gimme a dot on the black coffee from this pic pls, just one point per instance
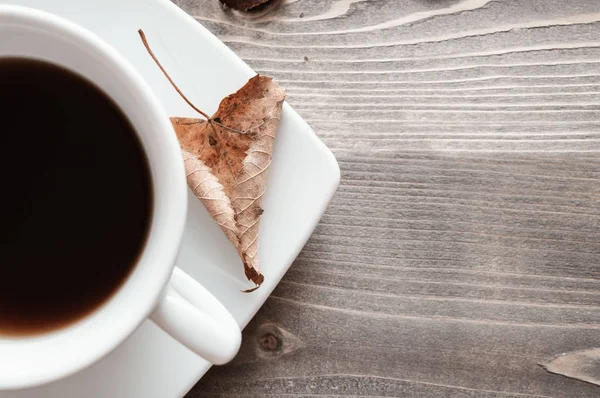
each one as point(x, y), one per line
point(75, 198)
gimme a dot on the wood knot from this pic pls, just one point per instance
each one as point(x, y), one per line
point(264, 6)
point(252, 9)
point(270, 342)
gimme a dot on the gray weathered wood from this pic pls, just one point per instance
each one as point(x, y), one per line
point(463, 247)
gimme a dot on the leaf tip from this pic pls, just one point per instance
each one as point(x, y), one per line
point(256, 277)
point(251, 290)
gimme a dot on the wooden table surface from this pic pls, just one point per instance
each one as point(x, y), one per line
point(462, 248)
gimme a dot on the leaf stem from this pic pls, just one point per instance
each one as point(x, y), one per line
point(143, 37)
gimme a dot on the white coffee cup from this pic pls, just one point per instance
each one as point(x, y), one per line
point(155, 289)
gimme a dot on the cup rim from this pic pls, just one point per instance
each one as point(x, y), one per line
point(168, 230)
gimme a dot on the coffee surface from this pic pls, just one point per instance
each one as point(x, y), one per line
point(76, 197)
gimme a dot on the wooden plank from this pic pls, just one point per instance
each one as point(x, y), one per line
point(462, 247)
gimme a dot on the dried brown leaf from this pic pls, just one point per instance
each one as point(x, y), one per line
point(227, 158)
point(209, 190)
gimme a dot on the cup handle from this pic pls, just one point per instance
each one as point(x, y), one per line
point(195, 318)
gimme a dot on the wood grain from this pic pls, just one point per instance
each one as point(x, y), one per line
point(462, 247)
